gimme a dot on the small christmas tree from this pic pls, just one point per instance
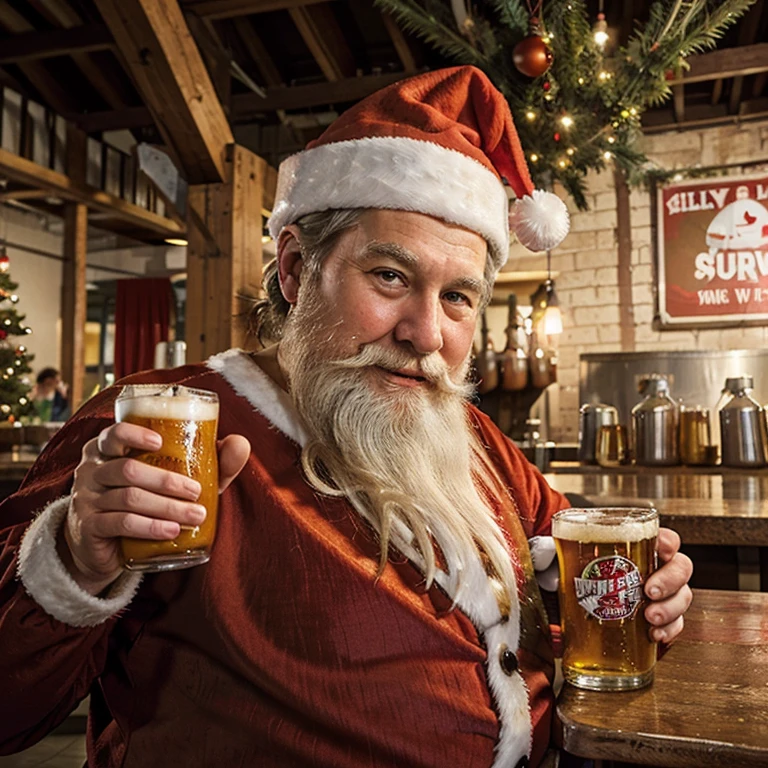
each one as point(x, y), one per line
point(14, 358)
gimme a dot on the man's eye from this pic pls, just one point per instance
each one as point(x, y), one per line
point(388, 275)
point(454, 297)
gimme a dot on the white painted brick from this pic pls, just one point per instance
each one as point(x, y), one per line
point(642, 294)
point(609, 334)
point(608, 295)
point(677, 159)
point(642, 274)
point(581, 297)
point(607, 276)
point(641, 236)
point(605, 201)
point(596, 259)
point(573, 337)
point(642, 255)
point(568, 377)
point(639, 198)
point(577, 241)
point(595, 316)
point(643, 314)
point(645, 333)
point(606, 238)
point(686, 339)
point(563, 262)
point(600, 182)
point(741, 338)
point(640, 217)
point(594, 222)
point(577, 278)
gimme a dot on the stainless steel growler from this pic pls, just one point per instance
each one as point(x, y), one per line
point(743, 428)
point(592, 416)
point(655, 425)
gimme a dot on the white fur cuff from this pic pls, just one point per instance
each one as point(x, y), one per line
point(48, 582)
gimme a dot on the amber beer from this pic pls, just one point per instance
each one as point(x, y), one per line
point(605, 557)
point(187, 420)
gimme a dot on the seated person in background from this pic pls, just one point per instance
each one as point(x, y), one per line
point(49, 396)
point(371, 599)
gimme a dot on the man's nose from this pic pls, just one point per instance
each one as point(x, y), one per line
point(420, 326)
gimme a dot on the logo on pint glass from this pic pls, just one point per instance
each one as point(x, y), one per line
point(610, 588)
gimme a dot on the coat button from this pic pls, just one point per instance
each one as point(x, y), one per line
point(507, 661)
point(523, 762)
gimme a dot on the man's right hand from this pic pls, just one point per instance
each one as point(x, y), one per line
point(114, 496)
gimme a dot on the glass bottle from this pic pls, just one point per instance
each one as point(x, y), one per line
point(486, 361)
point(514, 359)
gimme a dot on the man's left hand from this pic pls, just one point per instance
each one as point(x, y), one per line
point(668, 589)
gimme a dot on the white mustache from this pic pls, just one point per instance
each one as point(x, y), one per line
point(432, 367)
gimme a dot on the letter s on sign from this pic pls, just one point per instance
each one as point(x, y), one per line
point(705, 267)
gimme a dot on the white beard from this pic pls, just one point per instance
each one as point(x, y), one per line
point(406, 458)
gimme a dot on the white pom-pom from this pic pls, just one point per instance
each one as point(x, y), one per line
point(540, 220)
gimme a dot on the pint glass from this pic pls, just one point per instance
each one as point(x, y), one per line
point(605, 557)
point(186, 419)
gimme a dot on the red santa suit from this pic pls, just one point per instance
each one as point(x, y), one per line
point(283, 650)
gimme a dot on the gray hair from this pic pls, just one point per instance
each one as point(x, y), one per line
point(319, 233)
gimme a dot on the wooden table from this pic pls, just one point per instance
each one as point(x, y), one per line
point(708, 705)
point(14, 465)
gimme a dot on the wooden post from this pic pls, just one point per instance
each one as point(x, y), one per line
point(73, 290)
point(224, 257)
point(624, 238)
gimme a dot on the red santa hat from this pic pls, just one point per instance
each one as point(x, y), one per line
point(441, 143)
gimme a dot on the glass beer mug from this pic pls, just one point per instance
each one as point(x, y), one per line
point(187, 420)
point(605, 557)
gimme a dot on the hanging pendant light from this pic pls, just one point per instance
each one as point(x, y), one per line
point(553, 318)
point(600, 30)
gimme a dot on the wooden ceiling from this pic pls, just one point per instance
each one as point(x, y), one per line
point(284, 68)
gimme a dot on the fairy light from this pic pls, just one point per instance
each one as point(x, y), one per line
point(534, 158)
point(566, 121)
point(611, 139)
point(563, 164)
point(530, 115)
point(625, 113)
point(607, 155)
point(570, 151)
point(601, 31)
point(581, 81)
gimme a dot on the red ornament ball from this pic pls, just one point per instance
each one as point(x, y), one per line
point(532, 56)
point(557, 137)
point(547, 85)
point(3, 334)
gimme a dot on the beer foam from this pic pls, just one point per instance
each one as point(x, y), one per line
point(587, 527)
point(157, 401)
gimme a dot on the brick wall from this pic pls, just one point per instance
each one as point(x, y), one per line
point(587, 263)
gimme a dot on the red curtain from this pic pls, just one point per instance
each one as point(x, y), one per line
point(142, 315)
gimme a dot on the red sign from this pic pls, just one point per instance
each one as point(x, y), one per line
point(713, 251)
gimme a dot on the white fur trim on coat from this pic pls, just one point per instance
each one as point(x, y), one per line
point(475, 599)
point(397, 173)
point(46, 579)
point(250, 382)
point(544, 556)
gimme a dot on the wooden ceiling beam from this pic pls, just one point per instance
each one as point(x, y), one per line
point(729, 62)
point(172, 79)
point(305, 96)
point(678, 96)
point(404, 52)
point(247, 33)
point(30, 46)
point(747, 35)
point(228, 9)
point(322, 35)
point(23, 171)
point(758, 86)
point(717, 91)
point(53, 94)
point(246, 105)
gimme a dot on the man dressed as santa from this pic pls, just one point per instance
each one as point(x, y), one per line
point(371, 598)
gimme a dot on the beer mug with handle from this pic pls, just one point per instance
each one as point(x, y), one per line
point(605, 557)
point(187, 420)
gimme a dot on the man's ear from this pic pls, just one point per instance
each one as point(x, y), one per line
point(289, 262)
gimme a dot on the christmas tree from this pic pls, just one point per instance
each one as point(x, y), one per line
point(576, 97)
point(14, 358)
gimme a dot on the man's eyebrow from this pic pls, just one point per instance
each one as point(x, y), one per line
point(408, 258)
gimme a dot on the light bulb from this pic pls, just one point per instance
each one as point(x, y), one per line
point(534, 158)
point(566, 121)
point(553, 320)
point(601, 30)
point(530, 115)
point(23, 400)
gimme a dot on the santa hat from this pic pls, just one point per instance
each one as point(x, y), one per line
point(441, 143)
